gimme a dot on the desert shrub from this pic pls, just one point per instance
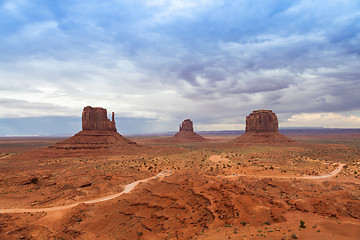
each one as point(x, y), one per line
point(293, 236)
point(302, 224)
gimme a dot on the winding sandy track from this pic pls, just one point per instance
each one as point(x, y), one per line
point(330, 175)
point(219, 158)
point(127, 188)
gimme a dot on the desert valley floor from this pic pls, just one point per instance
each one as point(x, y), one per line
point(220, 189)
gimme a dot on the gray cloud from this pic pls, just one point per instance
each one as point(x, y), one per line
point(208, 60)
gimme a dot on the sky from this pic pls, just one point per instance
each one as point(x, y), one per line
point(156, 62)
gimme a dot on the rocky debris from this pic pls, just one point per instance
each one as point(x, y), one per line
point(85, 185)
point(186, 133)
point(96, 119)
point(33, 180)
point(88, 139)
point(262, 127)
point(98, 133)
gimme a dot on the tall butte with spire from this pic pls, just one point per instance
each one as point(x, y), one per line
point(186, 133)
point(98, 132)
point(96, 119)
point(262, 127)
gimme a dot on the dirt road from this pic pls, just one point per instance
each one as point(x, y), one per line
point(127, 188)
point(330, 175)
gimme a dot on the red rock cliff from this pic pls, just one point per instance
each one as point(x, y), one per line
point(96, 119)
point(187, 125)
point(262, 121)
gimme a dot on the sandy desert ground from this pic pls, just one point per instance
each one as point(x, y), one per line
point(218, 189)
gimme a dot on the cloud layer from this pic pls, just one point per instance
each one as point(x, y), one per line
point(213, 61)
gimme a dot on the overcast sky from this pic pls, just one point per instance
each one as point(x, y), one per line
point(156, 62)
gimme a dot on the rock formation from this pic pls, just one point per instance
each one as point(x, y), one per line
point(186, 133)
point(98, 132)
point(96, 119)
point(262, 121)
point(262, 127)
point(186, 125)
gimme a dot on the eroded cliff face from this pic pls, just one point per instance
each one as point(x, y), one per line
point(262, 121)
point(187, 125)
point(262, 127)
point(96, 119)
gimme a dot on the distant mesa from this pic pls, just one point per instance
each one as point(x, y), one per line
point(186, 133)
point(98, 132)
point(262, 127)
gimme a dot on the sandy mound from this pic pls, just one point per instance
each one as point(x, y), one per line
point(91, 139)
point(263, 137)
point(188, 136)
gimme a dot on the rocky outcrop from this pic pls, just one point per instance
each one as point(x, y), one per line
point(186, 125)
point(98, 133)
point(96, 119)
point(186, 133)
point(262, 121)
point(262, 127)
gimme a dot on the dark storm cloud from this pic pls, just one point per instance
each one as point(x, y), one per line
point(209, 59)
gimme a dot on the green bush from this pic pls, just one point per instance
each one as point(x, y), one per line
point(302, 224)
point(293, 236)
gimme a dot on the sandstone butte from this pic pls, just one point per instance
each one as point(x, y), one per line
point(262, 127)
point(186, 133)
point(98, 132)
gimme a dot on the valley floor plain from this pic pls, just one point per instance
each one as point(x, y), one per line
point(218, 189)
